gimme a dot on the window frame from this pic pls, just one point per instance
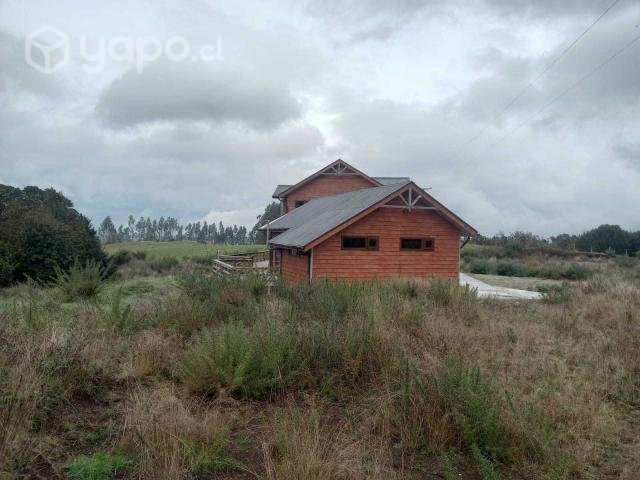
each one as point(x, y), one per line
point(366, 242)
point(423, 244)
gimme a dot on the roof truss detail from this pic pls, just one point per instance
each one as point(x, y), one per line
point(339, 168)
point(410, 199)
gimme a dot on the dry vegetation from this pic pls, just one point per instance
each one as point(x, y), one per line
point(196, 377)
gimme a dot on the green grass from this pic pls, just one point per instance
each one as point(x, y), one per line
point(181, 249)
point(99, 466)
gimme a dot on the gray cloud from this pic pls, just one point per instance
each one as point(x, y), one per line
point(550, 8)
point(195, 141)
point(17, 76)
point(185, 91)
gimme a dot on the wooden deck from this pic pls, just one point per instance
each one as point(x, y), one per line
point(257, 262)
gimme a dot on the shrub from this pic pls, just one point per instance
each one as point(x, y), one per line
point(164, 264)
point(340, 352)
point(480, 266)
point(81, 281)
point(473, 402)
point(555, 293)
point(328, 300)
point(249, 361)
point(576, 272)
point(99, 466)
point(120, 258)
point(457, 405)
point(119, 315)
point(625, 261)
point(513, 269)
point(139, 255)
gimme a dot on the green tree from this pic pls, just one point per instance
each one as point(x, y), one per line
point(107, 231)
point(271, 212)
point(39, 231)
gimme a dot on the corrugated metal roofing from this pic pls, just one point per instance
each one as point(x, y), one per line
point(391, 180)
point(383, 180)
point(279, 190)
point(321, 215)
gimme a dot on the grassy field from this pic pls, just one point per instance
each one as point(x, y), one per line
point(167, 372)
point(181, 249)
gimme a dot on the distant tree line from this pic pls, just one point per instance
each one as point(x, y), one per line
point(605, 239)
point(169, 229)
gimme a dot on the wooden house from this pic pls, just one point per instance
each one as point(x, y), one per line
point(339, 223)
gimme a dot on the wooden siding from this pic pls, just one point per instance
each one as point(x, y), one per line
point(390, 224)
point(294, 268)
point(325, 185)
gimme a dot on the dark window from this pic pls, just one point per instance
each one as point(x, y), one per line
point(360, 243)
point(299, 203)
point(417, 243)
point(411, 243)
point(354, 242)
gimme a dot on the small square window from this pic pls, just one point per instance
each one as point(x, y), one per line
point(372, 243)
point(429, 243)
point(299, 203)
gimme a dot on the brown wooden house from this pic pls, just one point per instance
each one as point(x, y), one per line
point(341, 223)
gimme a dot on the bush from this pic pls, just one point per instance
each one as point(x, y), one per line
point(513, 269)
point(576, 272)
point(458, 406)
point(247, 361)
point(120, 258)
point(139, 255)
point(81, 281)
point(99, 466)
point(480, 266)
point(164, 264)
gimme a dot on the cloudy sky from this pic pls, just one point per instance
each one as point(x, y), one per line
point(271, 91)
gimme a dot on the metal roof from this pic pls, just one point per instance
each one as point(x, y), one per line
point(383, 180)
point(391, 180)
point(279, 190)
point(321, 215)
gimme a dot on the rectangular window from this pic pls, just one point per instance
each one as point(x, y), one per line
point(411, 243)
point(417, 244)
point(360, 243)
point(299, 203)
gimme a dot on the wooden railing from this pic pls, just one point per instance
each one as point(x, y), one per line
point(241, 263)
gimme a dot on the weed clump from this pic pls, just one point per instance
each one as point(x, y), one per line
point(81, 281)
point(99, 466)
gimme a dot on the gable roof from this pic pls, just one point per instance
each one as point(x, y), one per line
point(308, 224)
point(292, 188)
point(381, 180)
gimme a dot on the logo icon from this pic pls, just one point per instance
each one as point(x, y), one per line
point(47, 49)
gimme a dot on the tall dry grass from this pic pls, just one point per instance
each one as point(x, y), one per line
point(333, 380)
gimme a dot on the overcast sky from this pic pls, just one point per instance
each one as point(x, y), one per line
point(394, 88)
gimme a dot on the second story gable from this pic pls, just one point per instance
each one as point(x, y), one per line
point(337, 177)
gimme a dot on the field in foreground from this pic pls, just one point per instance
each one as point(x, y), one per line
point(180, 249)
point(173, 373)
